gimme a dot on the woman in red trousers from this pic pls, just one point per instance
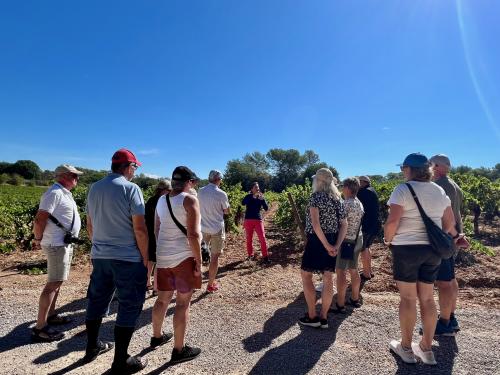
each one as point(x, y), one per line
point(254, 202)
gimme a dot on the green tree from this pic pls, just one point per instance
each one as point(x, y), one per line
point(25, 168)
point(287, 166)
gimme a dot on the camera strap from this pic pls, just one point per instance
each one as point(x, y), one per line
point(58, 223)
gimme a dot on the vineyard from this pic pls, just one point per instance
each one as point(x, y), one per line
point(18, 205)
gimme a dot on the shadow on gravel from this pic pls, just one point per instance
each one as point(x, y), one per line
point(445, 356)
point(21, 335)
point(300, 354)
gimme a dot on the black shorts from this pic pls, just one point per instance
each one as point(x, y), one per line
point(446, 270)
point(368, 239)
point(316, 258)
point(412, 263)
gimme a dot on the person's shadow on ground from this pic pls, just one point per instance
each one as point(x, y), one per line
point(445, 355)
point(299, 354)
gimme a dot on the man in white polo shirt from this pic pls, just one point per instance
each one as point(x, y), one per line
point(57, 205)
point(213, 206)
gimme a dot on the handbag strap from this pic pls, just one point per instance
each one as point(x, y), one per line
point(420, 209)
point(179, 225)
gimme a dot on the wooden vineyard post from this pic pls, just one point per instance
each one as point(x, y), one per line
point(296, 215)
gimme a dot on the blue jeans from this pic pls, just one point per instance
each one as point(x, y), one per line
point(129, 281)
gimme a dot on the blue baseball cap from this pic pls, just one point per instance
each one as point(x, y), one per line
point(415, 160)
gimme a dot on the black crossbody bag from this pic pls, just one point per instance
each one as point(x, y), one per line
point(348, 246)
point(441, 242)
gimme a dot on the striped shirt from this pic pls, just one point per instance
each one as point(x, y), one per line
point(213, 202)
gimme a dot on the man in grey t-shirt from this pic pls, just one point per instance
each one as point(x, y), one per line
point(116, 226)
point(446, 282)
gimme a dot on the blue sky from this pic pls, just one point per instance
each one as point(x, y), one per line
point(362, 83)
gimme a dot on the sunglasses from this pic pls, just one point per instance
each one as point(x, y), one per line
point(403, 167)
point(74, 175)
point(134, 165)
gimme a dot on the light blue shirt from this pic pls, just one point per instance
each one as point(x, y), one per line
point(111, 203)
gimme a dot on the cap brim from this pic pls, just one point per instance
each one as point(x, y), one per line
point(138, 163)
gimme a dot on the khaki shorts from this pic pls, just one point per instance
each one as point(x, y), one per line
point(180, 277)
point(215, 242)
point(58, 262)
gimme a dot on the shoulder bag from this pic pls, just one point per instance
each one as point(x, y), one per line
point(441, 242)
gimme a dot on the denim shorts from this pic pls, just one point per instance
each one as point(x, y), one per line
point(446, 270)
point(126, 280)
point(412, 263)
point(58, 262)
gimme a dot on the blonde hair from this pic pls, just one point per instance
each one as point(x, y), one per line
point(324, 181)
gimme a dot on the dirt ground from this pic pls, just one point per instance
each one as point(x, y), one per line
point(250, 326)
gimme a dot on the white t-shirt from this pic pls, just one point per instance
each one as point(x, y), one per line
point(59, 202)
point(213, 202)
point(411, 229)
point(172, 246)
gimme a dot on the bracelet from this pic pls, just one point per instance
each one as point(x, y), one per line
point(37, 239)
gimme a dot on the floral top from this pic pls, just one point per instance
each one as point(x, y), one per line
point(355, 212)
point(331, 212)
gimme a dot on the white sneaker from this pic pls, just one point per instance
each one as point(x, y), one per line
point(426, 357)
point(405, 354)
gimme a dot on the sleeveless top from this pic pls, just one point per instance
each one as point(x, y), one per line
point(172, 246)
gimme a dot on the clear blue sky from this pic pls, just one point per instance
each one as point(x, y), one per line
point(362, 83)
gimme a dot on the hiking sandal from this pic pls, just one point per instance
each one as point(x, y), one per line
point(46, 334)
point(57, 320)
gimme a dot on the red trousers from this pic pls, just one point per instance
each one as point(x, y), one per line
point(250, 226)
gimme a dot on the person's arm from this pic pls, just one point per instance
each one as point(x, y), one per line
point(264, 204)
point(392, 222)
point(314, 212)
point(90, 228)
point(141, 237)
point(246, 199)
point(157, 225)
point(342, 233)
point(39, 225)
point(193, 218)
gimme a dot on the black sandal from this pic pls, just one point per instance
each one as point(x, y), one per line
point(57, 320)
point(354, 303)
point(92, 354)
point(338, 309)
point(46, 334)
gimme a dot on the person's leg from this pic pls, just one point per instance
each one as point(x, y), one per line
point(216, 248)
point(448, 291)
point(309, 293)
point(100, 292)
point(130, 280)
point(326, 294)
point(181, 317)
point(249, 227)
point(407, 311)
point(428, 313)
point(259, 228)
point(355, 284)
point(341, 286)
point(366, 259)
point(159, 310)
point(213, 268)
point(46, 301)
point(150, 273)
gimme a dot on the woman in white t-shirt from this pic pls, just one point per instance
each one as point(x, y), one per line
point(415, 265)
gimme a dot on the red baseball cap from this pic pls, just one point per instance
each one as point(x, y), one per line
point(124, 156)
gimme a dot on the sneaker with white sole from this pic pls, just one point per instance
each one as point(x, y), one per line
point(426, 357)
point(405, 354)
point(306, 321)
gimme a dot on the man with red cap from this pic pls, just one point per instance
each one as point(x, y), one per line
point(116, 226)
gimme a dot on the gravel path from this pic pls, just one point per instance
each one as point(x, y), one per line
point(243, 334)
point(249, 327)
